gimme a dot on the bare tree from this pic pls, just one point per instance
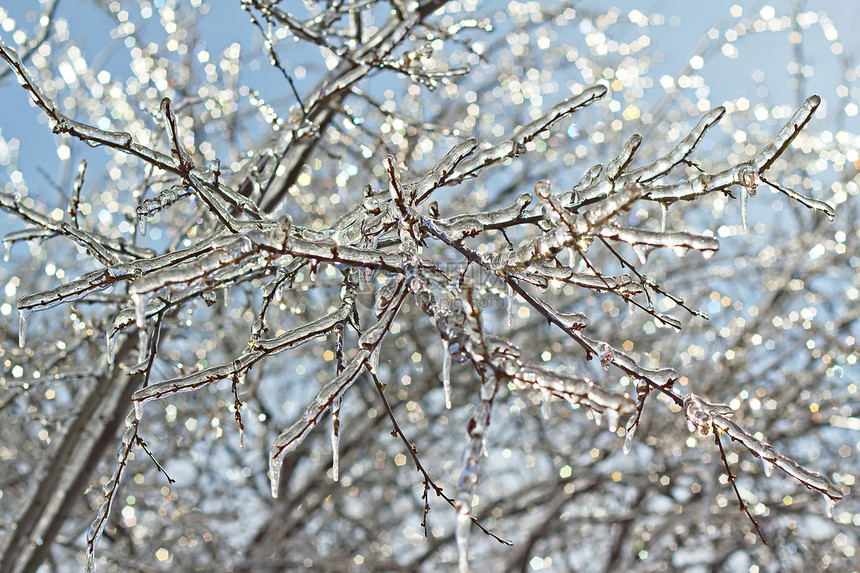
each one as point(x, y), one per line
point(400, 285)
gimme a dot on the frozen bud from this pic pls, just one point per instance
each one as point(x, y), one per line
point(543, 189)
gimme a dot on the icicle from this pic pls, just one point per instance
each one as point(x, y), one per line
point(138, 409)
point(335, 438)
point(139, 301)
point(664, 211)
point(510, 305)
point(463, 526)
point(768, 467)
point(7, 251)
point(612, 417)
point(141, 223)
point(446, 372)
point(744, 198)
point(241, 436)
point(545, 406)
point(142, 347)
point(111, 343)
point(23, 315)
point(598, 417)
point(829, 504)
point(641, 252)
point(628, 438)
point(274, 474)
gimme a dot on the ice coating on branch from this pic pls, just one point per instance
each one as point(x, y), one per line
point(515, 145)
point(100, 522)
point(573, 320)
point(681, 151)
point(705, 416)
point(787, 134)
point(680, 240)
point(440, 172)
point(617, 166)
point(607, 355)
point(182, 160)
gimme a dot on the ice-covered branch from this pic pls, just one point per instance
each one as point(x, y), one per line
point(705, 417)
point(366, 357)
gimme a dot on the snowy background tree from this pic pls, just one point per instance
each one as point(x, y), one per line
point(376, 286)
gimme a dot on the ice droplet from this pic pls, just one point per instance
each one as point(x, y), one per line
point(744, 198)
point(141, 224)
point(446, 372)
point(680, 251)
point(7, 251)
point(335, 439)
point(768, 467)
point(829, 504)
point(23, 315)
point(139, 301)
